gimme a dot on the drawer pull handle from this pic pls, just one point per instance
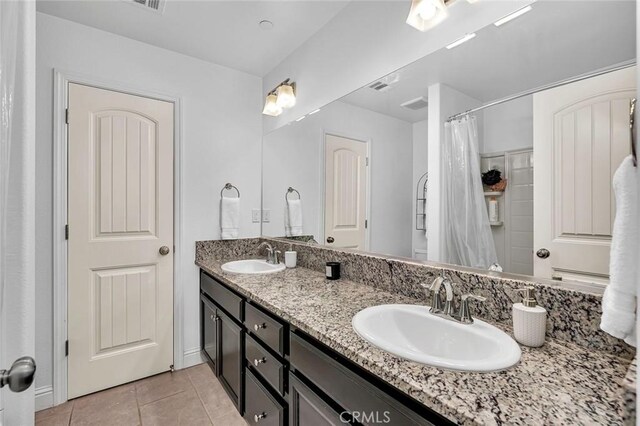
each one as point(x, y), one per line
point(258, 417)
point(257, 362)
point(257, 327)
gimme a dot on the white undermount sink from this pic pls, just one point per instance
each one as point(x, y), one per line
point(411, 332)
point(252, 266)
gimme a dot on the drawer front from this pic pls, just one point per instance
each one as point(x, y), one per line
point(265, 364)
point(225, 298)
point(366, 403)
point(261, 407)
point(266, 328)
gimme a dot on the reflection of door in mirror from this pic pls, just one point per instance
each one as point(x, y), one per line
point(581, 135)
point(345, 211)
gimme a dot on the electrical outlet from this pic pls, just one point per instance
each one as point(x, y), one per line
point(266, 215)
point(255, 215)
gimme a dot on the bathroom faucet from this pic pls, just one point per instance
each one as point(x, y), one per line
point(273, 256)
point(448, 311)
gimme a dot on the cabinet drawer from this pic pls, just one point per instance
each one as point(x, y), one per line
point(261, 407)
point(225, 298)
point(265, 327)
point(265, 364)
point(366, 403)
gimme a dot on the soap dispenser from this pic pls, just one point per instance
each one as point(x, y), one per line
point(529, 320)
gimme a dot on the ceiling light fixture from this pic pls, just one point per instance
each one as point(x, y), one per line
point(461, 40)
point(283, 96)
point(426, 14)
point(513, 16)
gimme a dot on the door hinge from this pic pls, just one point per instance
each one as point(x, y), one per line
point(66, 115)
point(366, 223)
point(66, 348)
point(367, 161)
point(66, 232)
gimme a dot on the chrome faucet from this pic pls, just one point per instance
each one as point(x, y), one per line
point(273, 256)
point(448, 311)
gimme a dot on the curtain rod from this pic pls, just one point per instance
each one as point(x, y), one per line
point(601, 71)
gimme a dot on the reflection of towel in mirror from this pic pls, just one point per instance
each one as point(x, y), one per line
point(293, 218)
point(619, 300)
point(229, 218)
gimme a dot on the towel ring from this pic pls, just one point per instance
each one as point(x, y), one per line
point(228, 186)
point(291, 191)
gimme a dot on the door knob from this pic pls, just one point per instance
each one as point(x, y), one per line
point(20, 376)
point(543, 253)
point(330, 240)
point(164, 250)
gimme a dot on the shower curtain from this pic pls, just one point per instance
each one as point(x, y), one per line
point(466, 233)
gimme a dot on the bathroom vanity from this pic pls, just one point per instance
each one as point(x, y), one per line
point(284, 349)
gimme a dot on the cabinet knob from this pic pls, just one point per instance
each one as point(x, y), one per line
point(257, 362)
point(257, 327)
point(330, 240)
point(258, 417)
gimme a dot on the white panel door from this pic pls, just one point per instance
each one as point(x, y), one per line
point(581, 134)
point(345, 209)
point(120, 288)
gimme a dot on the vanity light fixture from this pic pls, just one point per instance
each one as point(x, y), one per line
point(461, 40)
point(426, 14)
point(271, 106)
point(513, 16)
point(283, 96)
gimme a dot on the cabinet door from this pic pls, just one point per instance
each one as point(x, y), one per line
point(306, 408)
point(230, 358)
point(209, 324)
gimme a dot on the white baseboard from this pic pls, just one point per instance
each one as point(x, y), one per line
point(192, 357)
point(44, 397)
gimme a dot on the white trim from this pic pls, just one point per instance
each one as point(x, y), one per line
point(192, 357)
point(44, 397)
point(60, 102)
point(323, 144)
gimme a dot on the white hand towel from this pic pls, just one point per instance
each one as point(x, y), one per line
point(293, 218)
point(229, 218)
point(619, 300)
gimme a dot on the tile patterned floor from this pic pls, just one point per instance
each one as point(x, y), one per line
point(187, 397)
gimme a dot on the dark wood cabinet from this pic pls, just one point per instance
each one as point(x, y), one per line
point(307, 408)
point(230, 358)
point(276, 374)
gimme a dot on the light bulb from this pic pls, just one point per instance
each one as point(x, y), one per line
point(271, 106)
point(427, 10)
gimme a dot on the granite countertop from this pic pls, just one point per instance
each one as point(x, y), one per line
point(560, 383)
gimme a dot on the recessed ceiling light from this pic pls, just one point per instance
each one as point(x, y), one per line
point(461, 40)
point(313, 112)
point(512, 16)
point(266, 25)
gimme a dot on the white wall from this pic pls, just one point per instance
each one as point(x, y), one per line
point(293, 157)
point(508, 126)
point(220, 121)
point(444, 102)
point(420, 157)
point(367, 40)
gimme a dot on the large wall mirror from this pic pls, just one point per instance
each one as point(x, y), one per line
point(398, 168)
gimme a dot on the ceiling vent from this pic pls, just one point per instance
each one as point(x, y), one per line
point(415, 104)
point(385, 83)
point(154, 5)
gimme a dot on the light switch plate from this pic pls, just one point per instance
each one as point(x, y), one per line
point(266, 215)
point(255, 215)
